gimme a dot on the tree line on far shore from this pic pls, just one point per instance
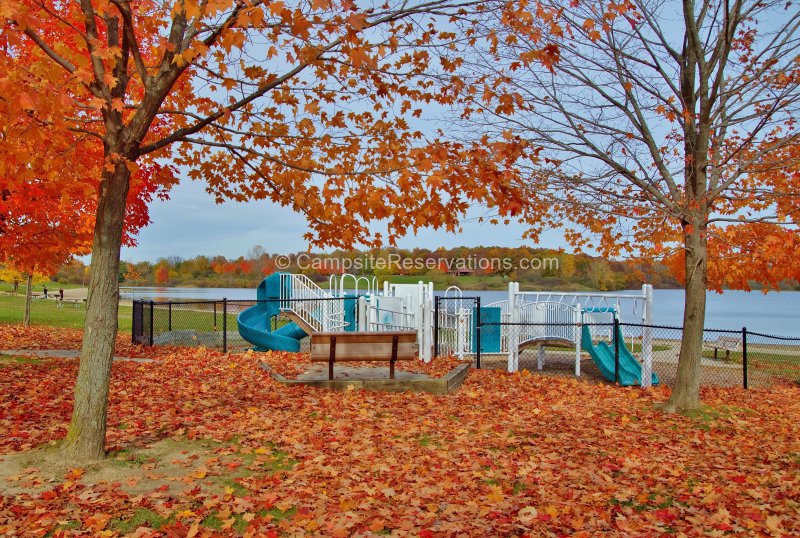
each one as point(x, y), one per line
point(461, 266)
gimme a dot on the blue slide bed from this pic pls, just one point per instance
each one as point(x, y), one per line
point(255, 322)
point(630, 371)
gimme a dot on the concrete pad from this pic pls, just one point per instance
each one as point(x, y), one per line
point(319, 372)
point(375, 378)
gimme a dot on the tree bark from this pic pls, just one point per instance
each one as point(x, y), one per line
point(85, 441)
point(686, 394)
point(26, 319)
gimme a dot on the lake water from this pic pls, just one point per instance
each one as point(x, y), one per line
point(772, 313)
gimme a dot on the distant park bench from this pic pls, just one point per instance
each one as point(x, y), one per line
point(389, 346)
point(77, 303)
point(727, 344)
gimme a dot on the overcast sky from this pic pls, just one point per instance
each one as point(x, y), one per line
point(191, 224)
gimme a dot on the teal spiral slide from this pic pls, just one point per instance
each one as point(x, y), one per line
point(255, 322)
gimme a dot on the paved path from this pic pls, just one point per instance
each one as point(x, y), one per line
point(63, 354)
point(74, 293)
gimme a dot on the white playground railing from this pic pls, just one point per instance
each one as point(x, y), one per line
point(583, 306)
point(384, 319)
point(361, 285)
point(545, 319)
point(528, 317)
point(455, 328)
point(400, 307)
point(304, 298)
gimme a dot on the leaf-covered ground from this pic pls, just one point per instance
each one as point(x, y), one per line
point(206, 443)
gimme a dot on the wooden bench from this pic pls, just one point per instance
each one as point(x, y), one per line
point(727, 344)
point(389, 346)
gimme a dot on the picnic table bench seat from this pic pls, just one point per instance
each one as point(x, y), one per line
point(392, 346)
point(727, 344)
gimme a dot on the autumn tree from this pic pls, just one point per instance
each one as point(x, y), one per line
point(308, 104)
point(667, 130)
point(49, 177)
point(162, 274)
point(11, 276)
point(40, 232)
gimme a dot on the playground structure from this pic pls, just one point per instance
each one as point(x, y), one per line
point(525, 320)
point(311, 309)
point(540, 320)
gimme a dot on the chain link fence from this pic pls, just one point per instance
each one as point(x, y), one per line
point(211, 324)
point(613, 351)
point(602, 352)
point(618, 352)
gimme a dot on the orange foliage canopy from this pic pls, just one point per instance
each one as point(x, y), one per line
point(49, 175)
point(311, 105)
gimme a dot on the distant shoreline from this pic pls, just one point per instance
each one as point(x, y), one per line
point(574, 287)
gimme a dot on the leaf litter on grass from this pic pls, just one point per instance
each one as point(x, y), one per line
point(206, 442)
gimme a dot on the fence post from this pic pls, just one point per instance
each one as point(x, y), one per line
point(133, 321)
point(225, 325)
point(151, 323)
point(744, 356)
point(647, 337)
point(215, 315)
point(478, 324)
point(436, 326)
point(169, 318)
point(511, 330)
point(616, 350)
point(578, 334)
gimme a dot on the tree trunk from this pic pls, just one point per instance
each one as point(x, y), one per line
point(686, 394)
point(26, 320)
point(86, 436)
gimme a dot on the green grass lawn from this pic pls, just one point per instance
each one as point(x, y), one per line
point(198, 317)
point(10, 360)
point(12, 309)
point(37, 288)
point(781, 361)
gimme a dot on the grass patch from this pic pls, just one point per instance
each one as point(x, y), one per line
point(7, 360)
point(781, 361)
point(69, 525)
point(213, 522)
point(280, 462)
point(198, 317)
point(141, 517)
point(425, 440)
point(127, 457)
point(235, 487)
point(707, 415)
point(12, 310)
point(655, 502)
point(277, 514)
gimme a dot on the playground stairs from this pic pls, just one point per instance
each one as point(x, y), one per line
point(301, 322)
point(308, 305)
